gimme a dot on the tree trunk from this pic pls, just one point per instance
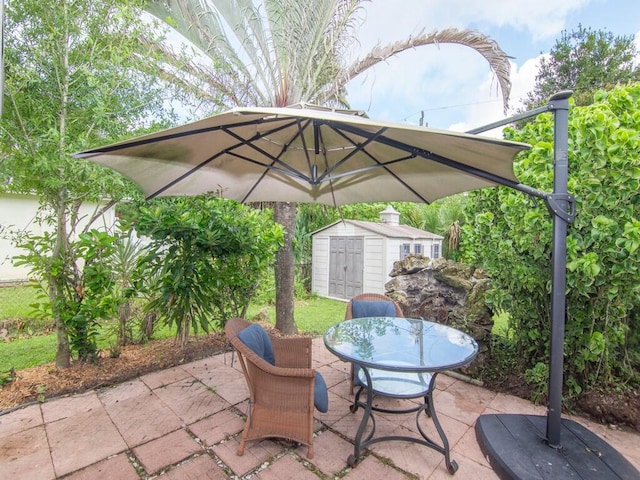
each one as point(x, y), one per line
point(285, 214)
point(56, 286)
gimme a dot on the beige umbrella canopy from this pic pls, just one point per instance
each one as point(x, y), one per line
point(310, 154)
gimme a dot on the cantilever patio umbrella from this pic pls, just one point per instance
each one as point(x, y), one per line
point(312, 154)
point(309, 154)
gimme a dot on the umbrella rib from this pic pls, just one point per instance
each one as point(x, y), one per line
point(249, 143)
point(361, 147)
point(291, 172)
point(146, 141)
point(434, 157)
point(183, 176)
point(372, 167)
point(229, 151)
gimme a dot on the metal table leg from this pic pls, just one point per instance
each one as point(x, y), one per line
point(427, 407)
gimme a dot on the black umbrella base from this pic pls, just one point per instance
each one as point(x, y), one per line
point(516, 448)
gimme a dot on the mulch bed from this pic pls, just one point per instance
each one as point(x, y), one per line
point(47, 381)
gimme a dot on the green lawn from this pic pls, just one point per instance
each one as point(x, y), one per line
point(314, 315)
point(15, 301)
point(27, 352)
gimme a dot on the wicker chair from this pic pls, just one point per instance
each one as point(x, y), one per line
point(369, 297)
point(281, 402)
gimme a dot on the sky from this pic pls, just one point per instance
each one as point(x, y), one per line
point(453, 85)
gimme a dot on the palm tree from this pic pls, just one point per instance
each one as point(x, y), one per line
point(276, 53)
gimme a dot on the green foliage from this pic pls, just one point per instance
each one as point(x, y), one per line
point(125, 269)
point(538, 377)
point(511, 237)
point(209, 255)
point(95, 298)
point(584, 61)
point(6, 377)
point(87, 297)
point(76, 75)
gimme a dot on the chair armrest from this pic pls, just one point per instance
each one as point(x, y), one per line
point(275, 370)
point(292, 352)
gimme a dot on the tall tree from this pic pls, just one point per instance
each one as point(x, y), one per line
point(75, 77)
point(280, 52)
point(584, 61)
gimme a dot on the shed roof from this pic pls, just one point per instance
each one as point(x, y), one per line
point(390, 231)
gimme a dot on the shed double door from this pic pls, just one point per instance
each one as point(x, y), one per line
point(346, 266)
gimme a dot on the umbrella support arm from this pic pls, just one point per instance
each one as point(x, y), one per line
point(512, 119)
point(561, 205)
point(558, 203)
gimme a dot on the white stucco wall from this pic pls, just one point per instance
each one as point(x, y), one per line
point(18, 213)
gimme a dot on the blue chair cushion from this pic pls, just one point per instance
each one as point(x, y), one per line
point(369, 308)
point(320, 394)
point(255, 337)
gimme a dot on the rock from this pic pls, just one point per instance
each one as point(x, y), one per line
point(410, 264)
point(445, 292)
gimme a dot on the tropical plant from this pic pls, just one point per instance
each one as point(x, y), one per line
point(277, 53)
point(210, 254)
point(584, 61)
point(87, 297)
point(124, 263)
point(511, 238)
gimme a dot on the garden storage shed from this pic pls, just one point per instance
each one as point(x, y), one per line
point(353, 256)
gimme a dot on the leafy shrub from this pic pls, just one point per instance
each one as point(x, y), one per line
point(511, 237)
point(208, 255)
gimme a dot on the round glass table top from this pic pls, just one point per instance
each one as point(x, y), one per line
point(400, 344)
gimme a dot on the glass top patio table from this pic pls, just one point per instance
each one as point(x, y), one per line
point(399, 344)
point(399, 358)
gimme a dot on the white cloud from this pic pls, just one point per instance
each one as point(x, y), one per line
point(452, 85)
point(539, 19)
point(481, 113)
point(433, 79)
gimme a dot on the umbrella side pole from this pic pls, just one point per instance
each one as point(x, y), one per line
point(559, 204)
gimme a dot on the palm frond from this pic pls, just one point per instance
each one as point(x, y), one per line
point(485, 46)
point(281, 52)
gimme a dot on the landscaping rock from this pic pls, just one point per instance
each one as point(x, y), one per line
point(445, 292)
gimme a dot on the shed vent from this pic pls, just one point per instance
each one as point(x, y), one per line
point(390, 216)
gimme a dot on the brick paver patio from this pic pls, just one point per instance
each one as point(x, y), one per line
point(183, 423)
